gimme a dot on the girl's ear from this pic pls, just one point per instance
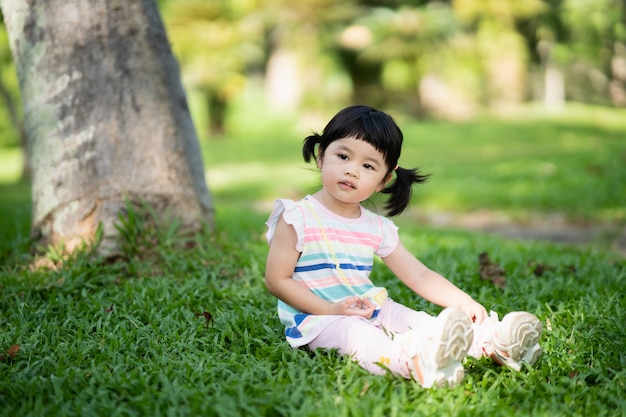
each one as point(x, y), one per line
point(318, 160)
point(384, 182)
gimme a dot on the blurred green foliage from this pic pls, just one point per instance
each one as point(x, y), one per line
point(445, 59)
point(570, 163)
point(252, 68)
point(10, 106)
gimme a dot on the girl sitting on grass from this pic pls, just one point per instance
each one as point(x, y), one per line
point(321, 252)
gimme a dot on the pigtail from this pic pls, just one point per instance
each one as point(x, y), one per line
point(401, 189)
point(308, 147)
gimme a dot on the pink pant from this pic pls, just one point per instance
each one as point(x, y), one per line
point(369, 343)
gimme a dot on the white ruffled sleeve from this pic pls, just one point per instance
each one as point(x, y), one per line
point(390, 240)
point(292, 214)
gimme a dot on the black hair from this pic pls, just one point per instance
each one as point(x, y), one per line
point(379, 130)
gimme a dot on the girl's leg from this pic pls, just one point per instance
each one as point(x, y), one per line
point(368, 345)
point(436, 345)
point(397, 318)
point(431, 355)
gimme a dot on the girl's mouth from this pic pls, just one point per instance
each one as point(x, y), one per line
point(345, 184)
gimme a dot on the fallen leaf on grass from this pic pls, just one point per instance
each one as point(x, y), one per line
point(207, 316)
point(537, 267)
point(491, 271)
point(11, 353)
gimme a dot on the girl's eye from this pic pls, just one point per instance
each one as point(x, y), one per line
point(342, 156)
point(368, 166)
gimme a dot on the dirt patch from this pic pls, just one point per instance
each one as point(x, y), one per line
point(543, 227)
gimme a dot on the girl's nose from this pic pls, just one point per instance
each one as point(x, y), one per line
point(351, 171)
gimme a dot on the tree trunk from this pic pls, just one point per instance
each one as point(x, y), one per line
point(283, 83)
point(106, 117)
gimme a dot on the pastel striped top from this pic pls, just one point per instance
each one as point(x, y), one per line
point(337, 256)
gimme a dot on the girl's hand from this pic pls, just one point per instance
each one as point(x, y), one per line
point(353, 306)
point(475, 311)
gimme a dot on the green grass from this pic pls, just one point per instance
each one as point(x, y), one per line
point(132, 337)
point(183, 325)
point(15, 210)
point(575, 165)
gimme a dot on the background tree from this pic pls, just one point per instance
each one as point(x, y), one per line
point(404, 43)
point(424, 57)
point(501, 48)
point(303, 70)
point(593, 56)
point(420, 57)
point(217, 43)
point(105, 115)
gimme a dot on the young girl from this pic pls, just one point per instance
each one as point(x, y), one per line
point(321, 254)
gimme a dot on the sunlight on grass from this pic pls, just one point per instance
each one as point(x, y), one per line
point(262, 181)
point(271, 176)
point(10, 165)
point(572, 114)
point(530, 168)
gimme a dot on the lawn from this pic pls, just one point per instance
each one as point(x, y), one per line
point(184, 326)
point(574, 164)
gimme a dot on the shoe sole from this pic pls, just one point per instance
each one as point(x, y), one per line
point(521, 342)
point(454, 340)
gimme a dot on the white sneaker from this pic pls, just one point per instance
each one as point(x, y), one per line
point(437, 355)
point(483, 336)
point(517, 340)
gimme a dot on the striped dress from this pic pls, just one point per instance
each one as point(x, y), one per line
point(337, 256)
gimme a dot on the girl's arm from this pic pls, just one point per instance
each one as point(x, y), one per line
point(281, 262)
point(431, 285)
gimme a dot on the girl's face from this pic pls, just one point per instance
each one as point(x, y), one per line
point(352, 170)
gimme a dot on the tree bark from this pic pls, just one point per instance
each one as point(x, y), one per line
point(106, 117)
